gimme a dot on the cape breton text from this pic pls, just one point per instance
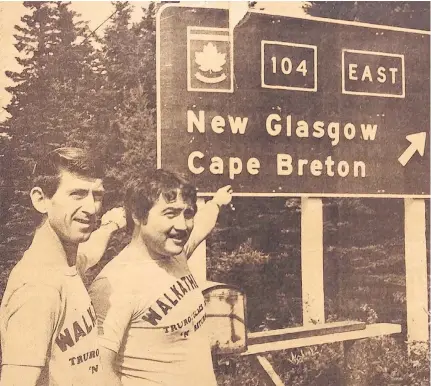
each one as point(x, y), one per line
point(285, 165)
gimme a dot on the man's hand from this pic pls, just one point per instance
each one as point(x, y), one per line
point(116, 216)
point(90, 252)
point(223, 196)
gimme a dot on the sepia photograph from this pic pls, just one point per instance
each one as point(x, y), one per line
point(215, 193)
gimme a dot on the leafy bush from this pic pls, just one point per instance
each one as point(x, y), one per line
point(386, 361)
point(311, 366)
point(271, 284)
point(382, 361)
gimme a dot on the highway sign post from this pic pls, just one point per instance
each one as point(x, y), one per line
point(282, 106)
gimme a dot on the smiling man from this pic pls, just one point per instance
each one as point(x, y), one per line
point(47, 322)
point(149, 307)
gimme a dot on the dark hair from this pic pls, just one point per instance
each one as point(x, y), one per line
point(143, 192)
point(47, 171)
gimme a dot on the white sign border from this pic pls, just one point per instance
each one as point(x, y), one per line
point(279, 87)
point(376, 53)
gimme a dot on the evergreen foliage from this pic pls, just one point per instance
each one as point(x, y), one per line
point(406, 14)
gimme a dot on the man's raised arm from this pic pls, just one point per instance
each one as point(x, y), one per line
point(206, 218)
point(90, 252)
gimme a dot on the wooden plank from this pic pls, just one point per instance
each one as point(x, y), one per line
point(303, 331)
point(416, 271)
point(313, 308)
point(266, 371)
point(372, 330)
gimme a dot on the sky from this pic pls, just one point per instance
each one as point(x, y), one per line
point(95, 12)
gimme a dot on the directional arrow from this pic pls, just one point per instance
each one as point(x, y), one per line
point(417, 144)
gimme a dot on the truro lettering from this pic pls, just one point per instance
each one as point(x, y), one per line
point(84, 357)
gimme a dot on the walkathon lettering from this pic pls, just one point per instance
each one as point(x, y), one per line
point(169, 300)
point(80, 328)
point(164, 304)
point(286, 126)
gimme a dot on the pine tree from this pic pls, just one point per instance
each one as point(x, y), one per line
point(51, 95)
point(129, 93)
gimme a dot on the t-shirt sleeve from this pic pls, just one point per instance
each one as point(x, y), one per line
point(31, 316)
point(114, 311)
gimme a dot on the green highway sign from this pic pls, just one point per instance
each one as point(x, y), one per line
point(291, 106)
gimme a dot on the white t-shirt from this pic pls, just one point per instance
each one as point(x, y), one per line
point(47, 319)
point(152, 314)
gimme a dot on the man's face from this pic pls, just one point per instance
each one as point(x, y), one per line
point(168, 227)
point(73, 209)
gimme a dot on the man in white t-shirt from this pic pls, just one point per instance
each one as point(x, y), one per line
point(47, 322)
point(150, 310)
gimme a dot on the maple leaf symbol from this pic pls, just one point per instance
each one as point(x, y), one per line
point(210, 59)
